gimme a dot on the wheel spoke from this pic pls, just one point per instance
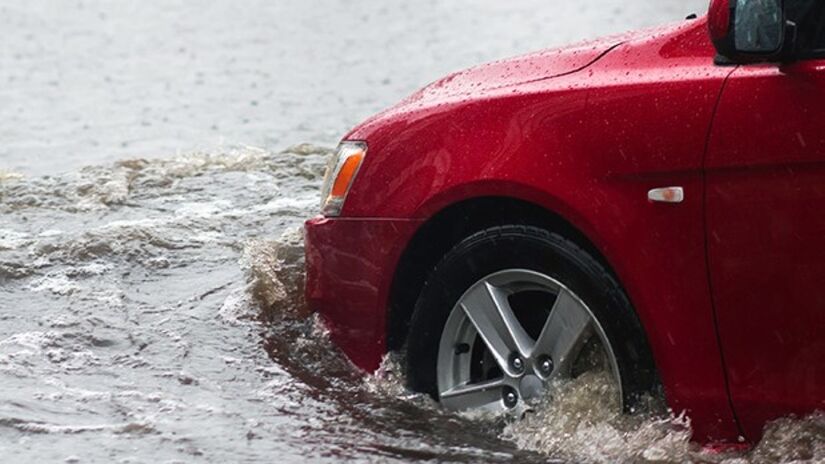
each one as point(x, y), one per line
point(566, 328)
point(490, 312)
point(474, 395)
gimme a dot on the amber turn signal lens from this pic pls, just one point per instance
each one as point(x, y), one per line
point(346, 174)
point(341, 171)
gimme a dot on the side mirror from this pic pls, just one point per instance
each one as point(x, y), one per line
point(747, 31)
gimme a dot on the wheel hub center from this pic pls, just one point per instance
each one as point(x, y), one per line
point(530, 386)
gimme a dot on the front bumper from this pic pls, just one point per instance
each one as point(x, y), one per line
point(350, 264)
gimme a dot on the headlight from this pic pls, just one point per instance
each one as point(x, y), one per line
point(341, 172)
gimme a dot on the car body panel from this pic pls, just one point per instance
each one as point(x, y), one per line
point(347, 279)
point(533, 67)
point(765, 191)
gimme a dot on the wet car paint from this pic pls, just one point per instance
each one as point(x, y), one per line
point(587, 146)
point(583, 146)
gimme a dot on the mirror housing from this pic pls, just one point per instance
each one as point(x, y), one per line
point(747, 31)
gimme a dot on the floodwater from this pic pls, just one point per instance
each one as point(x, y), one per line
point(151, 256)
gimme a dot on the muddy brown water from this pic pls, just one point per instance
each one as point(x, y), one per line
point(151, 262)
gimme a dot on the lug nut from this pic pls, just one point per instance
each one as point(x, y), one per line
point(545, 365)
point(516, 363)
point(510, 398)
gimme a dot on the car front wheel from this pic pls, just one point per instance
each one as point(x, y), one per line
point(512, 310)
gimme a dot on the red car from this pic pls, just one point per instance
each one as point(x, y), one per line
point(658, 196)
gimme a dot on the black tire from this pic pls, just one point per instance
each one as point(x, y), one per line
point(507, 247)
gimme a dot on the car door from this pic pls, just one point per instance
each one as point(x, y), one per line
point(765, 226)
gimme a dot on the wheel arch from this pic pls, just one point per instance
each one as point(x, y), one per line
point(446, 228)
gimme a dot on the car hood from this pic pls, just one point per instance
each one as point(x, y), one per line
point(510, 72)
point(491, 80)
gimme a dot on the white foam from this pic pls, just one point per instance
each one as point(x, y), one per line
point(12, 239)
point(58, 284)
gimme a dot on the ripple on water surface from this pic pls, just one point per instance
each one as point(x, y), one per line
point(152, 311)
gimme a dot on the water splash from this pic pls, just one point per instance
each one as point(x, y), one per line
point(790, 440)
point(582, 421)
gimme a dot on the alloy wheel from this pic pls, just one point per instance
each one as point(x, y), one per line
point(511, 335)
